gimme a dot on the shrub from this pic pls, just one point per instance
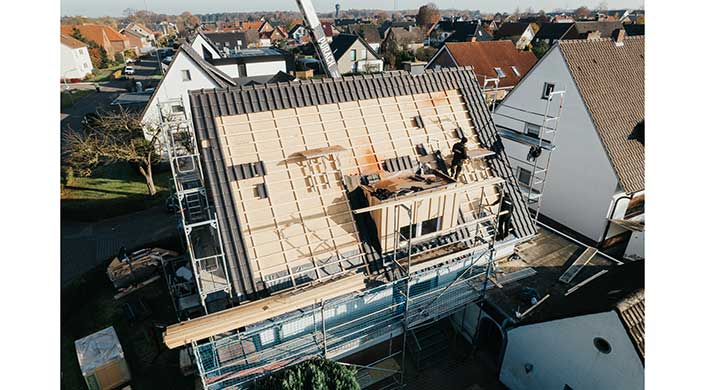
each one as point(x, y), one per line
point(89, 76)
point(315, 374)
point(116, 75)
point(67, 176)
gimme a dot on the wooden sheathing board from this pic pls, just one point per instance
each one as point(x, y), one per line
point(305, 222)
point(247, 314)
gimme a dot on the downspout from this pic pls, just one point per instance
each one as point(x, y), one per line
point(614, 207)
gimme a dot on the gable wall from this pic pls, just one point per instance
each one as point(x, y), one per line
point(581, 180)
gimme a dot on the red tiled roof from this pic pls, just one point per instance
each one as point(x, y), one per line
point(71, 42)
point(251, 25)
point(486, 55)
point(94, 32)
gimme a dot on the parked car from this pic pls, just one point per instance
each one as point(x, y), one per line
point(167, 60)
point(129, 70)
point(130, 61)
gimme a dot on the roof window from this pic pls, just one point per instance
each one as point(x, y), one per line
point(516, 71)
point(500, 73)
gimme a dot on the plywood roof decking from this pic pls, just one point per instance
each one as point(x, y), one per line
point(238, 317)
point(370, 115)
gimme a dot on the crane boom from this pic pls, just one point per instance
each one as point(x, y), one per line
point(318, 37)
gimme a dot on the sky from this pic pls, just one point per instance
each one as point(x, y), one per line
point(93, 8)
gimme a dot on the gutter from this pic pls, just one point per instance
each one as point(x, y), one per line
point(544, 226)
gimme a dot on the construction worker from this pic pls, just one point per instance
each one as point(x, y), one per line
point(505, 219)
point(460, 154)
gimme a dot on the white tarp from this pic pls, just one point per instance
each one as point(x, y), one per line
point(97, 349)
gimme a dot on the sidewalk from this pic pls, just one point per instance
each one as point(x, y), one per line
point(86, 245)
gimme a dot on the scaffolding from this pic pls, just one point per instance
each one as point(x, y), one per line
point(434, 276)
point(197, 217)
point(490, 89)
point(541, 145)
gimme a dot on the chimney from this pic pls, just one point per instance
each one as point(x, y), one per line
point(409, 28)
point(618, 37)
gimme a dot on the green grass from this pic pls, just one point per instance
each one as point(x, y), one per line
point(87, 305)
point(110, 191)
point(70, 97)
point(104, 74)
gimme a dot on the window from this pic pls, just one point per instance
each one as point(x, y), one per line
point(516, 71)
point(430, 226)
point(500, 73)
point(239, 43)
point(524, 176)
point(533, 130)
point(241, 70)
point(185, 75)
point(177, 108)
point(353, 55)
point(363, 54)
point(547, 89)
point(227, 44)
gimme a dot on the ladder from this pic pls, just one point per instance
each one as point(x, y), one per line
point(198, 219)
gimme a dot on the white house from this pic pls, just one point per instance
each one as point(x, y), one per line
point(200, 65)
point(591, 339)
point(354, 55)
point(594, 184)
point(75, 60)
point(520, 33)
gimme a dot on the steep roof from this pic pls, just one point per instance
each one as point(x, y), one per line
point(342, 42)
point(218, 39)
point(71, 42)
point(606, 28)
point(94, 32)
point(610, 80)
point(553, 30)
point(466, 31)
point(209, 106)
point(367, 31)
point(485, 56)
point(511, 29)
point(416, 35)
point(633, 29)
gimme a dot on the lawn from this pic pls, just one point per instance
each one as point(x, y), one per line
point(70, 97)
point(104, 74)
point(87, 305)
point(110, 191)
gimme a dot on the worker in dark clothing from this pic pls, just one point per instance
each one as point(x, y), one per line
point(505, 219)
point(460, 154)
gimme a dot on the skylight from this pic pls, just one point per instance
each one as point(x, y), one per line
point(500, 73)
point(516, 71)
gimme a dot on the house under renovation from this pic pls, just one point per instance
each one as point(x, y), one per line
point(327, 216)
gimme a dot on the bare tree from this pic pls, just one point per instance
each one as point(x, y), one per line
point(428, 15)
point(582, 12)
point(115, 136)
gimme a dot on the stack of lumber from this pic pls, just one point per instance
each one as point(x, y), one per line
point(204, 327)
point(139, 266)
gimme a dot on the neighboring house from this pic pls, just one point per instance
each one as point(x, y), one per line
point(354, 55)
point(592, 338)
point(267, 38)
point(368, 32)
point(520, 33)
point(383, 29)
point(167, 28)
point(633, 29)
point(601, 127)
point(552, 32)
point(140, 37)
point(235, 40)
point(75, 60)
point(490, 60)
point(105, 36)
point(489, 25)
point(403, 38)
point(460, 32)
point(298, 33)
point(209, 47)
point(189, 71)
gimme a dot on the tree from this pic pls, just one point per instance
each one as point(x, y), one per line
point(115, 136)
point(315, 374)
point(428, 15)
point(540, 48)
point(98, 55)
point(582, 12)
point(425, 53)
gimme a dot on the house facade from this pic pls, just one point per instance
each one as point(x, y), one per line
point(520, 33)
point(354, 55)
point(595, 128)
point(104, 36)
point(140, 37)
point(75, 60)
point(403, 38)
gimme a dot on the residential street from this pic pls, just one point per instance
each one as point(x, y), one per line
point(86, 245)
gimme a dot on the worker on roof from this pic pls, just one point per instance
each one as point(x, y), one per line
point(460, 154)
